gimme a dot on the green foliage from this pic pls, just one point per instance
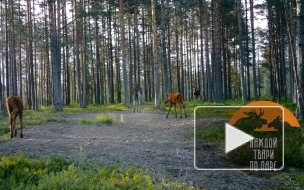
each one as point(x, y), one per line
point(116, 107)
point(295, 178)
point(215, 133)
point(86, 121)
point(105, 118)
point(188, 134)
point(20, 172)
point(211, 112)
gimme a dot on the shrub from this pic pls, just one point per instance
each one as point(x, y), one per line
point(106, 118)
point(19, 172)
point(86, 121)
point(215, 133)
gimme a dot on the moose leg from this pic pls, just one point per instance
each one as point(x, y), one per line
point(169, 110)
point(139, 102)
point(15, 114)
point(185, 110)
point(180, 110)
point(21, 124)
point(134, 104)
point(13, 130)
point(175, 110)
point(11, 126)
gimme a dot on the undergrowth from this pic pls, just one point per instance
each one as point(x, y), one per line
point(20, 172)
point(107, 118)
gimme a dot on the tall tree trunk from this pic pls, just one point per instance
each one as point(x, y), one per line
point(56, 57)
point(12, 49)
point(206, 24)
point(111, 62)
point(7, 50)
point(77, 58)
point(97, 46)
point(217, 56)
point(247, 53)
point(177, 53)
point(67, 55)
point(154, 40)
point(123, 49)
point(244, 95)
point(84, 56)
point(255, 90)
point(163, 23)
point(300, 90)
point(137, 57)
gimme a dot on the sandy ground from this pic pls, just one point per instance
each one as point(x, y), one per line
point(146, 139)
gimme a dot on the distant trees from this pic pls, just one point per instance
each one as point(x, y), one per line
point(93, 52)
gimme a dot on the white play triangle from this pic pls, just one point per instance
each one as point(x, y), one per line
point(235, 138)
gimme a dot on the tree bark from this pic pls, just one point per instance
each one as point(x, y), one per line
point(154, 41)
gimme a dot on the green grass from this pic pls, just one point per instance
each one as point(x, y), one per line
point(86, 121)
point(295, 178)
point(105, 118)
point(216, 133)
point(20, 172)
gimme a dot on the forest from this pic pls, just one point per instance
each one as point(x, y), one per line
point(59, 52)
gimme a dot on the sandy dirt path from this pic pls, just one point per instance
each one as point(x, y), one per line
point(146, 139)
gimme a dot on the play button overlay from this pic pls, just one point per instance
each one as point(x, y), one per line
point(247, 137)
point(235, 138)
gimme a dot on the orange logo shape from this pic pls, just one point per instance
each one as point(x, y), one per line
point(262, 119)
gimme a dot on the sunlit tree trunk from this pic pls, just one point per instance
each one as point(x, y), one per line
point(244, 95)
point(123, 49)
point(300, 90)
point(154, 41)
point(165, 65)
point(255, 89)
point(217, 56)
point(55, 55)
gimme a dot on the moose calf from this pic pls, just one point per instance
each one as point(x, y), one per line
point(14, 107)
point(196, 92)
point(175, 98)
point(136, 94)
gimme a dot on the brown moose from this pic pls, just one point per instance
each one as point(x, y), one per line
point(14, 107)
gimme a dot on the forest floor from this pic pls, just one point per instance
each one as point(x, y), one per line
point(146, 139)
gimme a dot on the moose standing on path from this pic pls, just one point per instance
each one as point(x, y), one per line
point(136, 94)
point(14, 107)
point(196, 92)
point(175, 98)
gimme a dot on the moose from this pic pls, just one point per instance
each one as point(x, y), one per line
point(175, 98)
point(136, 94)
point(248, 124)
point(196, 92)
point(14, 105)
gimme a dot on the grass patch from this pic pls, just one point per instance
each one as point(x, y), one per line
point(86, 121)
point(295, 178)
point(188, 134)
point(216, 133)
point(20, 172)
point(105, 118)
